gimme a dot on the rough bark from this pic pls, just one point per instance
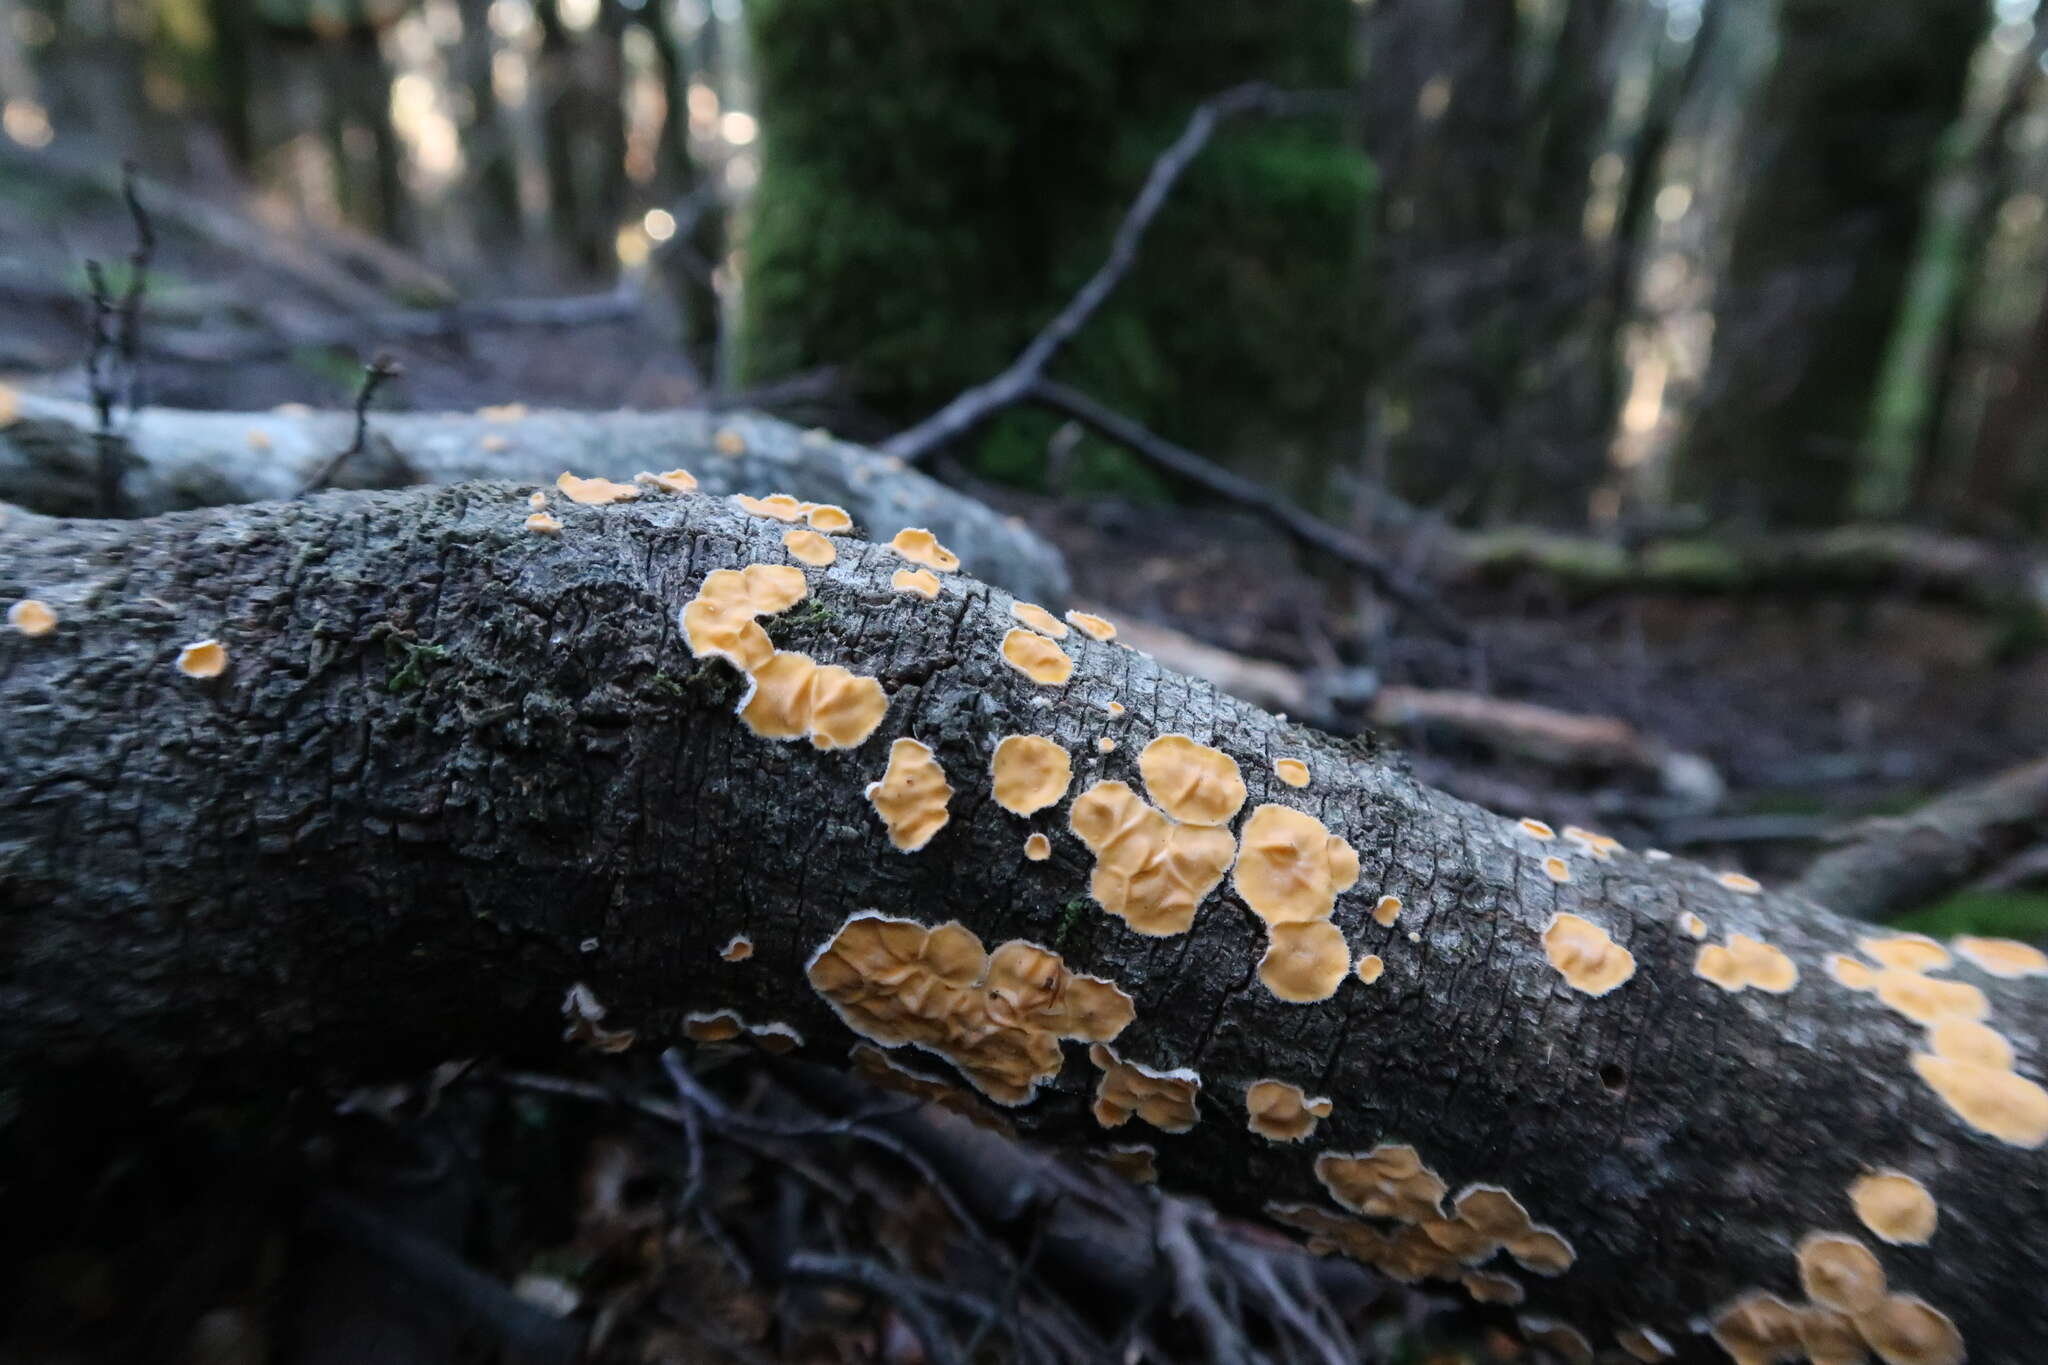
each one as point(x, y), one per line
point(454, 766)
point(1897, 864)
point(196, 459)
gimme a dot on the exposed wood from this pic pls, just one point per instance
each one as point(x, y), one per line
point(454, 767)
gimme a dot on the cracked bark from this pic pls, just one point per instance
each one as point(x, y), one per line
point(454, 766)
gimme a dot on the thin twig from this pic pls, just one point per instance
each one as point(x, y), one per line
point(112, 364)
point(1312, 531)
point(976, 405)
point(381, 368)
point(906, 1294)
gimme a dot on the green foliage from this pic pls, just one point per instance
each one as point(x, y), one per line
point(1993, 914)
point(410, 662)
point(939, 179)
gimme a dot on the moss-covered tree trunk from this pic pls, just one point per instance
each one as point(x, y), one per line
point(1848, 128)
point(453, 766)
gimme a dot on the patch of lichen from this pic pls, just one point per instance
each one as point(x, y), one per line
point(938, 179)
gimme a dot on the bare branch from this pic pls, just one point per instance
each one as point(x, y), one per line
point(381, 368)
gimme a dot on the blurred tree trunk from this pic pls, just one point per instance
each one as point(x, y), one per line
point(692, 194)
point(581, 80)
point(230, 69)
point(487, 146)
point(2003, 491)
point(1847, 130)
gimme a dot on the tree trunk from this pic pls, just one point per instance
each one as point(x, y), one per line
point(454, 766)
point(1852, 118)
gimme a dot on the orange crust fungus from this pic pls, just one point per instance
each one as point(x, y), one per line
point(810, 547)
point(1758, 1329)
point(1744, 963)
point(203, 659)
point(668, 481)
point(1105, 745)
point(1906, 952)
point(1852, 972)
point(1370, 968)
point(1739, 882)
point(998, 1017)
point(1925, 1000)
point(718, 1026)
point(719, 622)
point(1192, 783)
point(1092, 626)
point(2003, 957)
point(1292, 868)
point(920, 546)
point(1387, 911)
point(1904, 1330)
point(1292, 771)
point(878, 1068)
point(1561, 1337)
point(1037, 848)
point(537, 500)
point(1645, 1344)
point(776, 506)
point(1037, 658)
point(1840, 1273)
point(1601, 846)
point(1149, 871)
point(915, 581)
point(543, 523)
point(1557, 869)
point(793, 696)
point(1535, 828)
point(830, 518)
point(1389, 1181)
point(1304, 962)
point(738, 948)
point(1693, 925)
point(1164, 1099)
point(1135, 1162)
point(1029, 772)
point(32, 617)
point(1585, 956)
point(1039, 619)
point(911, 796)
point(594, 492)
point(1487, 1287)
point(1895, 1207)
point(1992, 1099)
point(1280, 1112)
point(726, 441)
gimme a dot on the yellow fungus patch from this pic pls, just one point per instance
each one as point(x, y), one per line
point(1292, 868)
point(1991, 1099)
point(1904, 1330)
point(203, 659)
point(1304, 962)
point(1906, 952)
point(1149, 871)
point(1030, 772)
point(715, 1027)
point(1536, 828)
point(1585, 956)
point(1389, 1181)
point(793, 696)
point(1370, 968)
point(1645, 1344)
point(1092, 626)
point(1542, 1251)
point(920, 546)
point(911, 796)
point(10, 406)
point(1852, 972)
point(1193, 783)
point(1840, 1273)
point(1601, 846)
point(726, 441)
point(810, 547)
point(776, 506)
point(1281, 1112)
point(537, 500)
point(1292, 771)
point(543, 524)
point(1037, 847)
point(1387, 911)
point(1895, 1207)
point(1115, 708)
point(738, 948)
point(1830, 1338)
point(1557, 869)
point(1037, 658)
point(1693, 925)
point(1164, 1099)
point(1758, 1329)
point(997, 1016)
point(915, 581)
point(1745, 963)
point(1136, 1163)
point(32, 617)
point(1039, 619)
point(1924, 999)
point(2003, 956)
point(492, 444)
point(502, 412)
point(260, 442)
point(668, 481)
point(1486, 1286)
point(1567, 1341)
point(1736, 881)
point(828, 517)
point(594, 492)
point(1105, 745)
point(1966, 1040)
point(719, 621)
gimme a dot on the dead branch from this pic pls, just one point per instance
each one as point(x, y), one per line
point(112, 362)
point(970, 409)
point(1897, 864)
point(380, 368)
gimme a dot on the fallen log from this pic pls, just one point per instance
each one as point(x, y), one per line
point(434, 768)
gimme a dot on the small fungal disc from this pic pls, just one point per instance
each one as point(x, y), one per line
point(1105, 745)
point(1557, 869)
point(719, 621)
point(1387, 911)
point(737, 949)
point(1128, 1090)
point(1039, 619)
point(1149, 871)
point(594, 492)
point(826, 517)
point(729, 442)
point(31, 617)
point(1030, 773)
point(776, 506)
point(1852, 972)
point(1585, 956)
point(911, 796)
point(1907, 1331)
point(1370, 968)
point(1280, 1112)
point(1292, 771)
point(2003, 956)
point(1736, 881)
point(1485, 1286)
point(203, 659)
point(1694, 926)
point(536, 500)
point(1292, 868)
point(1092, 626)
point(810, 547)
point(1037, 658)
point(1304, 962)
point(1895, 1207)
point(920, 546)
point(1925, 1000)
point(1906, 952)
point(669, 481)
point(1758, 1328)
point(793, 697)
point(1536, 828)
point(1037, 848)
point(1840, 1273)
point(543, 524)
point(1193, 783)
point(916, 582)
point(1990, 1099)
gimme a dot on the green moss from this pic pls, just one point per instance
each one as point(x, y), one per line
point(1993, 914)
point(410, 662)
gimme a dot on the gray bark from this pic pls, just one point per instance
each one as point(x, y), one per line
point(455, 766)
point(185, 459)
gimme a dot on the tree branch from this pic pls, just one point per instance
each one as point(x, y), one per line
point(381, 368)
